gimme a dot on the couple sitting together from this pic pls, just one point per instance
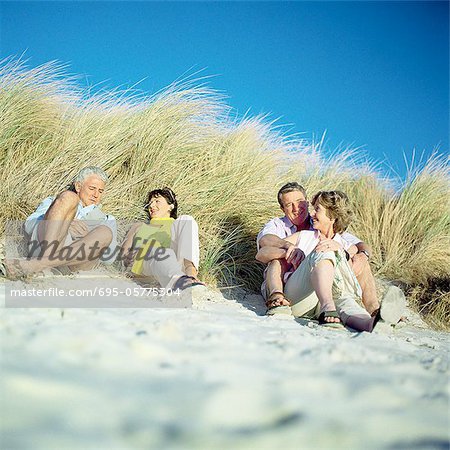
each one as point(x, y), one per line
point(70, 232)
point(315, 269)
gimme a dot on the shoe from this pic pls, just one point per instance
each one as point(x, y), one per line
point(325, 314)
point(392, 306)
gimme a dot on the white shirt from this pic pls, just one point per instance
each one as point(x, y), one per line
point(308, 240)
point(283, 227)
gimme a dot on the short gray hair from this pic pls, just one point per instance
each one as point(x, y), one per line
point(86, 172)
point(91, 170)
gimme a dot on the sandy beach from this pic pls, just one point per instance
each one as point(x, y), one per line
point(217, 375)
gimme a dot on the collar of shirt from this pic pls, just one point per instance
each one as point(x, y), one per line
point(293, 227)
point(289, 224)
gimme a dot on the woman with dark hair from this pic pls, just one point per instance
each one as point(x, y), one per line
point(323, 285)
point(165, 248)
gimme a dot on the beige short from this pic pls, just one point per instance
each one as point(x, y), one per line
point(346, 289)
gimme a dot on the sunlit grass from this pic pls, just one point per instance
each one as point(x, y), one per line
point(225, 171)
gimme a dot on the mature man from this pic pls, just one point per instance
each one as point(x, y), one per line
point(69, 230)
point(294, 204)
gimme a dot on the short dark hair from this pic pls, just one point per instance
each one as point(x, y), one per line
point(290, 187)
point(168, 194)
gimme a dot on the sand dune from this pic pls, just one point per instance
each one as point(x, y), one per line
point(217, 375)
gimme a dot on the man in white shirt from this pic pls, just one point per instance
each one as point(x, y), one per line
point(294, 204)
point(69, 230)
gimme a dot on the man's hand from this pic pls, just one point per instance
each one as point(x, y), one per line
point(358, 263)
point(294, 256)
point(78, 229)
point(328, 245)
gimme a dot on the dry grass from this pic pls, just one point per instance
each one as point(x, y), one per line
point(225, 171)
point(432, 301)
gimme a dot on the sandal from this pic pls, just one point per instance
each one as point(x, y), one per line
point(334, 314)
point(186, 282)
point(276, 304)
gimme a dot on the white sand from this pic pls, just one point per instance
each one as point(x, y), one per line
point(219, 375)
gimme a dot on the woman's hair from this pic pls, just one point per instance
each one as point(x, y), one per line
point(170, 197)
point(337, 207)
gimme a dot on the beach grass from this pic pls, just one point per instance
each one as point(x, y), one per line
point(225, 170)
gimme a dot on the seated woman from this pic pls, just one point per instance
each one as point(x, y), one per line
point(324, 286)
point(167, 247)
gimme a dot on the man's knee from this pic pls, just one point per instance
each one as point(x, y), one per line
point(66, 200)
point(276, 266)
point(103, 235)
point(274, 263)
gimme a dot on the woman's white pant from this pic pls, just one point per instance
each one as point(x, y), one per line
point(345, 290)
point(167, 266)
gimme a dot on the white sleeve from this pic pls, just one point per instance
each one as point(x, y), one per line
point(269, 228)
point(43, 207)
point(306, 241)
point(350, 238)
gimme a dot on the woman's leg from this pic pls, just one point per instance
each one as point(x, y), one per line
point(355, 316)
point(189, 269)
point(166, 268)
point(367, 283)
point(347, 291)
point(185, 244)
point(322, 277)
point(299, 288)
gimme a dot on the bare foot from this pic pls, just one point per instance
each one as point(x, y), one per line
point(17, 269)
point(14, 269)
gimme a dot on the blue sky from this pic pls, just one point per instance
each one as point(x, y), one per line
point(372, 74)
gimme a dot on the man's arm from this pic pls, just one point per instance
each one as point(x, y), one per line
point(283, 248)
point(361, 258)
point(361, 246)
point(267, 254)
point(271, 240)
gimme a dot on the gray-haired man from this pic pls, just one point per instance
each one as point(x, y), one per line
point(70, 229)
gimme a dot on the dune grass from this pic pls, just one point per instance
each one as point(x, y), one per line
point(225, 171)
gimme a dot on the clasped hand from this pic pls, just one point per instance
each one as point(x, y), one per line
point(328, 245)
